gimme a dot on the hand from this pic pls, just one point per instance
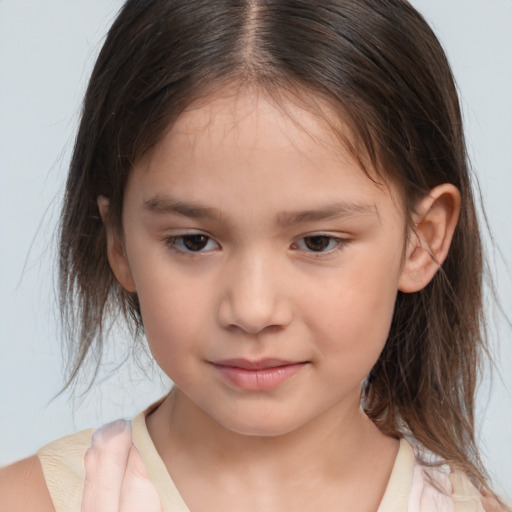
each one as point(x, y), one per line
point(116, 479)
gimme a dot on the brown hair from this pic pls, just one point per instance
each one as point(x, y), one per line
point(379, 65)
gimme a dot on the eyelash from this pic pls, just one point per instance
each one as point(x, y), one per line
point(176, 243)
point(338, 243)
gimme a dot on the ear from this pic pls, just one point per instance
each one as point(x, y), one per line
point(435, 219)
point(115, 250)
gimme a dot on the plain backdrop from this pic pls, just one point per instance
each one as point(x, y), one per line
point(47, 50)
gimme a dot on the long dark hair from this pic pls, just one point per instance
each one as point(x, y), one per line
point(375, 62)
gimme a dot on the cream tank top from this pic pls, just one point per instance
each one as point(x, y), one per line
point(409, 488)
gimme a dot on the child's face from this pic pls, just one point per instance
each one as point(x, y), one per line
point(252, 242)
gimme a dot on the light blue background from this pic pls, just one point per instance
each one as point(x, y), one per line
point(47, 50)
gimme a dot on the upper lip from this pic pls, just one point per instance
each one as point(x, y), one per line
point(259, 364)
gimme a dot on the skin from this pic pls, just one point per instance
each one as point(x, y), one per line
point(302, 259)
point(257, 290)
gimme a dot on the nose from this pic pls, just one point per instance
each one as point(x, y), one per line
point(253, 297)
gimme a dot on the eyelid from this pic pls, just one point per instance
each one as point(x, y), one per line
point(341, 242)
point(170, 242)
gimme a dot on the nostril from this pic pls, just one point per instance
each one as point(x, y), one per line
point(268, 329)
point(251, 299)
point(253, 317)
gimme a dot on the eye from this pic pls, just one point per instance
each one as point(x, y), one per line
point(196, 242)
point(318, 243)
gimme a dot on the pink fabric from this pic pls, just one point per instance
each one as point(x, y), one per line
point(430, 490)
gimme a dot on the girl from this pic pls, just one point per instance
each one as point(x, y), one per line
point(277, 194)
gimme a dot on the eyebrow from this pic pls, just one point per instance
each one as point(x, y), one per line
point(329, 211)
point(162, 205)
point(166, 205)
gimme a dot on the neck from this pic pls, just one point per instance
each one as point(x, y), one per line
point(333, 444)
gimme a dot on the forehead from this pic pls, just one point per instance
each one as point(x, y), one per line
point(240, 119)
point(246, 143)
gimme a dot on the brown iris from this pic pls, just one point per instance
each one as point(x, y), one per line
point(317, 243)
point(195, 242)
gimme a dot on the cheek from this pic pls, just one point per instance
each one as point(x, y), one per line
point(357, 311)
point(173, 309)
point(172, 325)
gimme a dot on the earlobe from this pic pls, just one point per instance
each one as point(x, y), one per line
point(435, 220)
point(115, 250)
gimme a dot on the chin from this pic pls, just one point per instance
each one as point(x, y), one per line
point(260, 427)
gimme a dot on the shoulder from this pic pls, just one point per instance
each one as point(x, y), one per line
point(23, 487)
point(51, 481)
point(492, 505)
point(464, 491)
point(62, 463)
point(441, 488)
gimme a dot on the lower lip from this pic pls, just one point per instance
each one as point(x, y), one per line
point(259, 380)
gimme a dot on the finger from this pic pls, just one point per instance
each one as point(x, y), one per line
point(137, 492)
point(105, 464)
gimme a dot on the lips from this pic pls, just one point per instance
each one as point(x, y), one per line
point(258, 375)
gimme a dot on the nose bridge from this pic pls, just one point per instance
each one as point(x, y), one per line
point(252, 297)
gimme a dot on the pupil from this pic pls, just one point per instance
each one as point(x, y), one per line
point(317, 243)
point(195, 242)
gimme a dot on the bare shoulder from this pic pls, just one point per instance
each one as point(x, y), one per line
point(23, 487)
